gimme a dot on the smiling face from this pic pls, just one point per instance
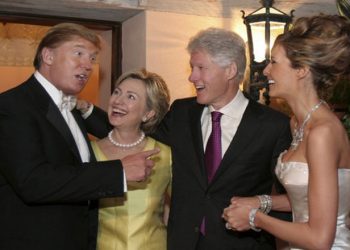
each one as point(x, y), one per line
point(127, 105)
point(281, 75)
point(68, 66)
point(214, 84)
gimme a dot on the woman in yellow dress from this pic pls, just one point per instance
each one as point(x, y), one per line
point(138, 220)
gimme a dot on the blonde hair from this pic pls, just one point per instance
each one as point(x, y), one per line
point(157, 98)
point(61, 33)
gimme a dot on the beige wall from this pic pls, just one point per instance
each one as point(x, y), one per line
point(134, 42)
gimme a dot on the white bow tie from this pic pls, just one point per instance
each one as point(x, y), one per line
point(67, 102)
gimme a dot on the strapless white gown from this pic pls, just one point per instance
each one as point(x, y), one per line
point(294, 177)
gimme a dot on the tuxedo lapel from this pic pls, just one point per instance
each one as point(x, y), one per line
point(80, 122)
point(56, 119)
point(44, 102)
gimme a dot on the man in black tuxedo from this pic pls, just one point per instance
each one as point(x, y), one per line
point(48, 176)
point(252, 137)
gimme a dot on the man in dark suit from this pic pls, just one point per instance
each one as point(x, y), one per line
point(252, 137)
point(48, 176)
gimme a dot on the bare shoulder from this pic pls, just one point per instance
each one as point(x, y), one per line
point(327, 129)
point(329, 136)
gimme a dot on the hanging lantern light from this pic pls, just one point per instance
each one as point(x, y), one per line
point(263, 26)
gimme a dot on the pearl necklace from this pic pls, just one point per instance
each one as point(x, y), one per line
point(298, 133)
point(130, 145)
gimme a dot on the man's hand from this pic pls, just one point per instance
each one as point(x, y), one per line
point(138, 167)
point(83, 106)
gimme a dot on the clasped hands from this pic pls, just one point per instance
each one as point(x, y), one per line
point(236, 214)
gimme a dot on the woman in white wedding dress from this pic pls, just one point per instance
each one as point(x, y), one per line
point(315, 170)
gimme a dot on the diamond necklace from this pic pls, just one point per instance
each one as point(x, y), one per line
point(298, 133)
point(129, 145)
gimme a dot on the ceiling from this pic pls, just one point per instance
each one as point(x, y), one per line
point(121, 10)
point(223, 7)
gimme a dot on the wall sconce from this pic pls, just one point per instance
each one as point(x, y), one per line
point(263, 26)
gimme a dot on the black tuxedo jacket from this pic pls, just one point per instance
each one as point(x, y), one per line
point(45, 189)
point(246, 170)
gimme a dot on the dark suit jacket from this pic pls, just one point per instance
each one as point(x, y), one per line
point(246, 170)
point(44, 187)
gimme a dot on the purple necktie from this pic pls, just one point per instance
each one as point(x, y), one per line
point(213, 149)
point(212, 155)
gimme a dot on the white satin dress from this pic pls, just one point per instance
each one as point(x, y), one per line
point(294, 177)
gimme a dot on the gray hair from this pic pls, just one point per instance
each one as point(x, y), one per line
point(223, 46)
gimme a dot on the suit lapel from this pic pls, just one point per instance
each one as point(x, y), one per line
point(247, 130)
point(196, 132)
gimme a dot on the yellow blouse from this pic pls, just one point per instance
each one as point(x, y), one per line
point(135, 221)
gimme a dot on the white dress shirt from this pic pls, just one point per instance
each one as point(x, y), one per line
point(231, 118)
point(56, 96)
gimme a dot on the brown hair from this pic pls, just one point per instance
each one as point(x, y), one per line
point(322, 43)
point(157, 98)
point(61, 33)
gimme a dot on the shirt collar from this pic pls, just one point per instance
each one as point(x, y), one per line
point(55, 94)
point(234, 108)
